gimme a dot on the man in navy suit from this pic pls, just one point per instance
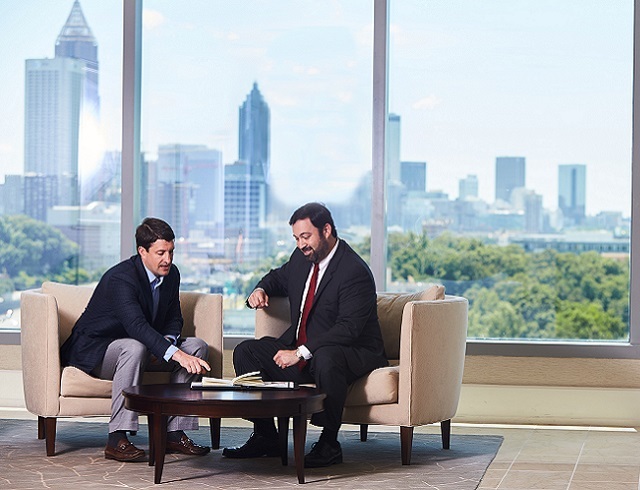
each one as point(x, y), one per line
point(131, 324)
point(334, 337)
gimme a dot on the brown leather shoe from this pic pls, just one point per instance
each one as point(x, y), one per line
point(186, 446)
point(124, 451)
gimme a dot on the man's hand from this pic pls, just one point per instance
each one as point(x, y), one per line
point(193, 364)
point(286, 358)
point(258, 299)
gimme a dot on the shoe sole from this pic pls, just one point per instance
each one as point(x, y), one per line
point(125, 460)
point(175, 451)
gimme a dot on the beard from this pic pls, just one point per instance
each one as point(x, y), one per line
point(318, 253)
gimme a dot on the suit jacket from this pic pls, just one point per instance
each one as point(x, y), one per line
point(122, 307)
point(344, 310)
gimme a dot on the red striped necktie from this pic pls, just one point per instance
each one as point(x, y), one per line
point(308, 302)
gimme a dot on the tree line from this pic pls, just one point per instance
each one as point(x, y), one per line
point(512, 293)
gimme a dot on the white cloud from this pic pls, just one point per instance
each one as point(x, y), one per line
point(429, 102)
point(152, 19)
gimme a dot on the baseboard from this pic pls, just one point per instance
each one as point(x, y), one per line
point(607, 407)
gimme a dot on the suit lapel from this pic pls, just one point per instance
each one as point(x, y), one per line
point(145, 287)
point(331, 269)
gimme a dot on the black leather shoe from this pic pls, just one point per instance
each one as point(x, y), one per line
point(256, 446)
point(323, 454)
point(186, 446)
point(124, 451)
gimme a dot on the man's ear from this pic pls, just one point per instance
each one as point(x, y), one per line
point(326, 231)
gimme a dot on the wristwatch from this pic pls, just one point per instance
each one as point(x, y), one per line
point(299, 355)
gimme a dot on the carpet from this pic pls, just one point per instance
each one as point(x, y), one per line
point(79, 462)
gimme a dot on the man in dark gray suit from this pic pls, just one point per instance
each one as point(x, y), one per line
point(334, 337)
point(131, 324)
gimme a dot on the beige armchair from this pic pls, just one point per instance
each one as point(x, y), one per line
point(425, 342)
point(50, 391)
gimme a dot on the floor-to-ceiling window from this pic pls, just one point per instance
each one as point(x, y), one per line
point(509, 162)
point(249, 111)
point(60, 81)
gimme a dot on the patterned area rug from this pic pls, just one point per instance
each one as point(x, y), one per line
point(79, 462)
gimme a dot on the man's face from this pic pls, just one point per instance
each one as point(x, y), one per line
point(158, 258)
point(313, 243)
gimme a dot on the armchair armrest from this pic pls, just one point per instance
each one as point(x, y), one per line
point(202, 314)
point(432, 349)
point(40, 352)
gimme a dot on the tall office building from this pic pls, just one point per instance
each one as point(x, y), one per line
point(510, 174)
point(393, 148)
point(394, 188)
point(572, 190)
point(414, 176)
point(189, 180)
point(244, 205)
point(61, 107)
point(246, 182)
point(254, 134)
point(468, 187)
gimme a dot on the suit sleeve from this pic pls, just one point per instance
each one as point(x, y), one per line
point(123, 294)
point(356, 301)
point(276, 282)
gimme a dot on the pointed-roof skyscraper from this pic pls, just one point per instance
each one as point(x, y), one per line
point(254, 134)
point(61, 110)
point(76, 41)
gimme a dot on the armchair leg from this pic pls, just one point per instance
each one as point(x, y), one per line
point(445, 430)
point(214, 427)
point(49, 428)
point(41, 428)
point(406, 440)
point(363, 432)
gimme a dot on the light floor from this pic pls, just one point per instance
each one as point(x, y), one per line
point(537, 457)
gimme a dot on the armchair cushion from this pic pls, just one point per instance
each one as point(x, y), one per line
point(379, 387)
point(77, 383)
point(390, 308)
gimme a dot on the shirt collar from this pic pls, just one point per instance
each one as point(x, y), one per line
point(325, 262)
point(152, 277)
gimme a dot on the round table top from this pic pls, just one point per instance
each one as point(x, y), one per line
point(179, 397)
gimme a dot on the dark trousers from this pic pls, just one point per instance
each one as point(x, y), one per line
point(328, 369)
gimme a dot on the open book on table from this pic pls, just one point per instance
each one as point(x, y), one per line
point(251, 380)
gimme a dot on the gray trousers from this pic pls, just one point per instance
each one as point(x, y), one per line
point(126, 360)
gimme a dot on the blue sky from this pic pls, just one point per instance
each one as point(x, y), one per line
point(459, 69)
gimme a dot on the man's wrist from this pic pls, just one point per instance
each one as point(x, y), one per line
point(303, 353)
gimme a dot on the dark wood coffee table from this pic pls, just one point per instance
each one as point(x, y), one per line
point(158, 402)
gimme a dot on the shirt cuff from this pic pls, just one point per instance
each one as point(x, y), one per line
point(169, 352)
point(306, 353)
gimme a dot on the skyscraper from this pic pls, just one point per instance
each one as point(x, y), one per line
point(254, 134)
point(61, 107)
point(572, 191)
point(468, 187)
point(510, 174)
point(246, 182)
point(189, 182)
point(414, 176)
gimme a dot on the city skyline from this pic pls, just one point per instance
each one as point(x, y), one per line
point(339, 161)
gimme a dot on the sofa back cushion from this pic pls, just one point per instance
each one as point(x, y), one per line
point(390, 307)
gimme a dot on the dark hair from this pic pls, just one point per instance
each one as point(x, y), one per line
point(152, 229)
point(317, 213)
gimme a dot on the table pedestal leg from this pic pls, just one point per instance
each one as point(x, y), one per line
point(299, 436)
point(283, 439)
point(159, 444)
